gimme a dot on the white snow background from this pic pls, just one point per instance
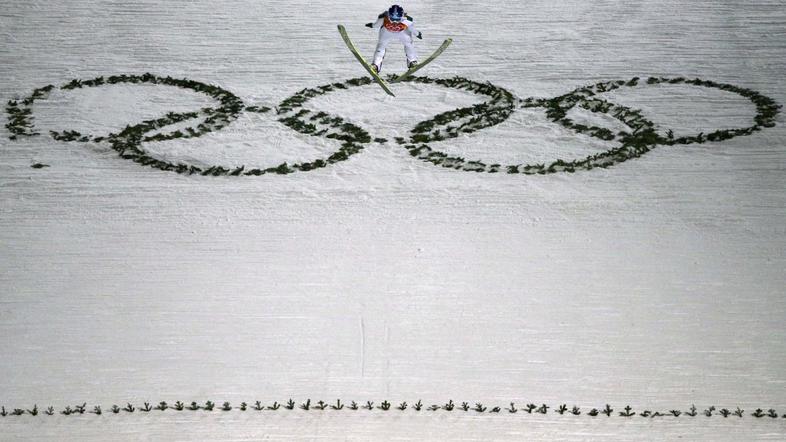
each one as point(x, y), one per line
point(658, 282)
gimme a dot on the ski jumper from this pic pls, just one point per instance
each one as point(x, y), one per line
point(389, 31)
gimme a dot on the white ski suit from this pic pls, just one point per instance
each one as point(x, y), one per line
point(403, 31)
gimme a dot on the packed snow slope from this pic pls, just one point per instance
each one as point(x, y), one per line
point(657, 282)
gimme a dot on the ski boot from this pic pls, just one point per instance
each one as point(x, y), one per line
point(376, 68)
point(412, 64)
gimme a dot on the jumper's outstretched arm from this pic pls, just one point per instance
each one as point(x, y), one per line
point(377, 24)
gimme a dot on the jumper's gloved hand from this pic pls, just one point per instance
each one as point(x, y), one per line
point(420, 36)
point(369, 25)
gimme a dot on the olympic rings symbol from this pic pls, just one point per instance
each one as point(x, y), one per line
point(498, 107)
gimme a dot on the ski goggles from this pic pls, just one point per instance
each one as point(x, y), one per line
point(396, 17)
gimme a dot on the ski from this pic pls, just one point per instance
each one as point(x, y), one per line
point(362, 61)
point(419, 66)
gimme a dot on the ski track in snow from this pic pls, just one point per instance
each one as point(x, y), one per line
point(658, 282)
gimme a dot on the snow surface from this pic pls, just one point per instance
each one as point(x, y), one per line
point(657, 283)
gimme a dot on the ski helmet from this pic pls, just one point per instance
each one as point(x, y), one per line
point(396, 13)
